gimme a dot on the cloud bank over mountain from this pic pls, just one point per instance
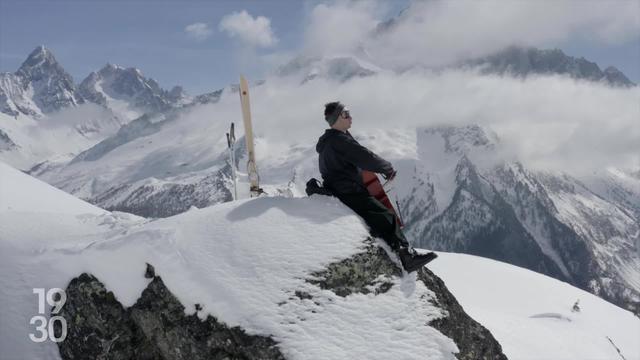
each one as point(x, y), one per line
point(436, 33)
point(547, 122)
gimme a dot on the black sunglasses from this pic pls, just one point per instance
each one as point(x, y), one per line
point(346, 114)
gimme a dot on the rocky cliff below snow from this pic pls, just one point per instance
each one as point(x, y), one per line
point(159, 326)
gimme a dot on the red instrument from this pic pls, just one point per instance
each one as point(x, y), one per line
point(376, 190)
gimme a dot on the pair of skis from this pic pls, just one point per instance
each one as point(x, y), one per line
point(252, 169)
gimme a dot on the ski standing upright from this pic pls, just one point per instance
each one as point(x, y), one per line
point(231, 143)
point(252, 169)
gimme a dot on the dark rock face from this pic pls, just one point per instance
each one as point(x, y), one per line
point(474, 341)
point(155, 327)
point(508, 213)
point(480, 222)
point(361, 274)
point(99, 327)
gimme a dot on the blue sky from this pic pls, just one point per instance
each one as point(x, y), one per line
point(150, 35)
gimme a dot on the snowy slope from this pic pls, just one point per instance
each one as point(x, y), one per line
point(530, 314)
point(234, 248)
point(38, 141)
point(38, 197)
point(255, 254)
point(180, 157)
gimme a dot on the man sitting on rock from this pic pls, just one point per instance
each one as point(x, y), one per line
point(341, 161)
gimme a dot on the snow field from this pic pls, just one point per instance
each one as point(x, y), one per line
point(243, 262)
point(530, 313)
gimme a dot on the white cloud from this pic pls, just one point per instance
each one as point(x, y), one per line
point(546, 122)
point(252, 31)
point(440, 32)
point(340, 27)
point(198, 31)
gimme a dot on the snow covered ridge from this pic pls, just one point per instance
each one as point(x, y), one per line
point(276, 277)
point(297, 278)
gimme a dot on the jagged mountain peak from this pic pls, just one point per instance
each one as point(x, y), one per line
point(616, 76)
point(117, 86)
point(39, 86)
point(108, 69)
point(40, 56)
point(111, 69)
point(522, 61)
point(42, 64)
point(119, 73)
point(467, 176)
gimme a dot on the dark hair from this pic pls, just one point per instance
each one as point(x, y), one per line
point(332, 110)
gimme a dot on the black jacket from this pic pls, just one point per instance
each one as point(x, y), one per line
point(342, 160)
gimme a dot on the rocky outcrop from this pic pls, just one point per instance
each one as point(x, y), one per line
point(371, 270)
point(157, 327)
point(363, 273)
point(474, 341)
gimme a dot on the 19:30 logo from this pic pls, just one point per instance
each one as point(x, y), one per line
point(45, 327)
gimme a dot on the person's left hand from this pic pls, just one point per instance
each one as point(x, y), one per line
point(390, 175)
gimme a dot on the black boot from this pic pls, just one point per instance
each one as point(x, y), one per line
point(411, 261)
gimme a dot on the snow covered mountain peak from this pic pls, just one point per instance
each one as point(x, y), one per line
point(40, 57)
point(41, 68)
point(125, 90)
point(38, 87)
point(109, 69)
